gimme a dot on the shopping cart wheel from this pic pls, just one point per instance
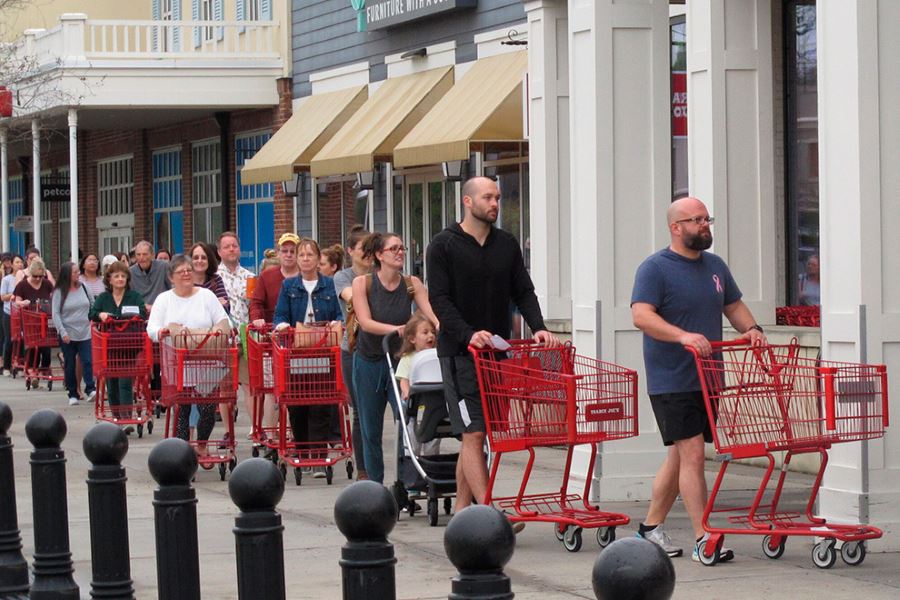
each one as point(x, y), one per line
point(283, 470)
point(140, 430)
point(149, 426)
point(350, 470)
point(572, 538)
point(15, 373)
point(157, 411)
point(433, 512)
point(255, 452)
point(27, 384)
point(710, 561)
point(606, 536)
point(773, 546)
point(298, 476)
point(222, 470)
point(447, 505)
point(329, 474)
point(853, 553)
point(560, 530)
point(50, 385)
point(231, 465)
point(824, 554)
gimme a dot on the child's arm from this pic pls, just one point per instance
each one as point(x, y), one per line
point(404, 387)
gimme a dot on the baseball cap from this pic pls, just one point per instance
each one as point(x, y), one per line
point(291, 238)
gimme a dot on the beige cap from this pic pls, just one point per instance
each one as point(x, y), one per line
point(289, 238)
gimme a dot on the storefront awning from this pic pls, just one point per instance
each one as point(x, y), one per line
point(315, 121)
point(484, 105)
point(372, 132)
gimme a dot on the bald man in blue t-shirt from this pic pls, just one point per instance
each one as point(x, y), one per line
point(680, 294)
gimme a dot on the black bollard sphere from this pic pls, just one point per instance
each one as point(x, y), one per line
point(46, 429)
point(365, 511)
point(479, 539)
point(633, 569)
point(172, 462)
point(256, 485)
point(105, 444)
point(6, 418)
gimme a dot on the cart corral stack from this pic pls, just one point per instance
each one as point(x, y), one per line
point(534, 396)
point(770, 398)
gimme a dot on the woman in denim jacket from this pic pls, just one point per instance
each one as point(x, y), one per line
point(309, 298)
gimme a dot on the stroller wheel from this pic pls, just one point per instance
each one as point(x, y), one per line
point(432, 512)
point(448, 505)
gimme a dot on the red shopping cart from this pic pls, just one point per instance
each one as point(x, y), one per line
point(39, 334)
point(121, 349)
point(765, 399)
point(307, 369)
point(534, 396)
point(262, 383)
point(201, 368)
point(17, 356)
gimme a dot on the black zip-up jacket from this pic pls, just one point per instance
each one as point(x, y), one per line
point(471, 286)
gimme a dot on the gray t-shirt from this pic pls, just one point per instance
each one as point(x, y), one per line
point(72, 318)
point(689, 294)
point(152, 283)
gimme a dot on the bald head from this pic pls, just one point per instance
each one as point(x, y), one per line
point(685, 208)
point(473, 186)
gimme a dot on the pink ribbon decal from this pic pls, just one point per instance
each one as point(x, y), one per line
point(718, 284)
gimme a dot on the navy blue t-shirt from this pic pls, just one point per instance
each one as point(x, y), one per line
point(689, 294)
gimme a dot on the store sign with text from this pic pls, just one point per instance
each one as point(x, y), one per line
point(679, 104)
point(379, 14)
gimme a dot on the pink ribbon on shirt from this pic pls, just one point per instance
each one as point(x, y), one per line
point(718, 284)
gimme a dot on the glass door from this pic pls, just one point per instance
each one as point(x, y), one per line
point(429, 206)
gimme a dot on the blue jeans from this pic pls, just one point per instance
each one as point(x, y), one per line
point(371, 381)
point(83, 350)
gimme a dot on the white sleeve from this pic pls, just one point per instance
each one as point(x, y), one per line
point(157, 319)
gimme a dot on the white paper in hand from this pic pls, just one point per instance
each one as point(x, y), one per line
point(499, 343)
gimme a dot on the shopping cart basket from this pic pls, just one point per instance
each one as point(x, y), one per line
point(768, 398)
point(262, 383)
point(201, 368)
point(38, 333)
point(535, 396)
point(121, 349)
point(307, 372)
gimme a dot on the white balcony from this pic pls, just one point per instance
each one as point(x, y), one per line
point(158, 65)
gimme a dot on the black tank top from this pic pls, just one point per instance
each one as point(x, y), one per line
point(393, 308)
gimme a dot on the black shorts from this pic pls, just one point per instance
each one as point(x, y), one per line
point(462, 394)
point(681, 416)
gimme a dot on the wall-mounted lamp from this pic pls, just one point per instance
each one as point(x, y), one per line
point(365, 180)
point(454, 170)
point(291, 186)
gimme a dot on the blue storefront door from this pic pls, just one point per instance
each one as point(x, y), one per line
point(256, 228)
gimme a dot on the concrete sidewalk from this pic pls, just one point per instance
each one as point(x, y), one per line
point(540, 568)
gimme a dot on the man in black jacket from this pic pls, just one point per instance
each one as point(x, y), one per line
point(474, 272)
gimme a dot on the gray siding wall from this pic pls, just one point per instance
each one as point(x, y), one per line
point(325, 37)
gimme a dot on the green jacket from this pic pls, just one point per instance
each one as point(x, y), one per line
point(105, 303)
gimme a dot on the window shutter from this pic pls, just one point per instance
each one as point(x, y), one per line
point(195, 16)
point(265, 10)
point(154, 14)
point(176, 32)
point(218, 15)
point(239, 9)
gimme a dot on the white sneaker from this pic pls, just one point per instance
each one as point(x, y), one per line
point(91, 396)
point(73, 401)
point(659, 536)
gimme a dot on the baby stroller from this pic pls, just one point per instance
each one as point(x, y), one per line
point(422, 474)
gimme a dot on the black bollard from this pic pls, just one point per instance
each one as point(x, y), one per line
point(365, 513)
point(46, 429)
point(172, 464)
point(633, 569)
point(13, 567)
point(105, 445)
point(479, 541)
point(256, 487)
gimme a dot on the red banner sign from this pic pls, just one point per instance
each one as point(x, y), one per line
point(679, 104)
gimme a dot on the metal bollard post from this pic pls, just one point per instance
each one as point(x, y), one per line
point(172, 464)
point(105, 445)
point(633, 569)
point(479, 541)
point(256, 487)
point(46, 429)
point(365, 513)
point(13, 567)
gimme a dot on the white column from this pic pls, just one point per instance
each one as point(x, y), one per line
point(858, 62)
point(36, 183)
point(731, 138)
point(548, 148)
point(73, 182)
point(4, 190)
point(620, 188)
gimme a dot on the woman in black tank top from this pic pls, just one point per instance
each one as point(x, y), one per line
point(382, 301)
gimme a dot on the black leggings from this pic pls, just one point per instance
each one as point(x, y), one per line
point(310, 424)
point(204, 425)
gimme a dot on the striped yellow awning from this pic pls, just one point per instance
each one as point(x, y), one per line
point(314, 122)
point(386, 117)
point(484, 105)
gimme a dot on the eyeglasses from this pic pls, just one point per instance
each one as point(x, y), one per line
point(395, 249)
point(184, 272)
point(698, 220)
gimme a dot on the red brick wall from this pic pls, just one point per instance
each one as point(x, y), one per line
point(284, 206)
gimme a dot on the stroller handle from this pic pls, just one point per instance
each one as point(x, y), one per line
point(386, 342)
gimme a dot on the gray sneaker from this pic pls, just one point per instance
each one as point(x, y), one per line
point(659, 536)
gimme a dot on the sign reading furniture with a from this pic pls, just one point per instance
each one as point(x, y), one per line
point(379, 14)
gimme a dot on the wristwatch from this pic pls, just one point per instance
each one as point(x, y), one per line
point(757, 327)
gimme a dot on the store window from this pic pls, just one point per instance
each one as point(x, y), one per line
point(508, 164)
point(16, 208)
point(255, 204)
point(168, 219)
point(802, 152)
point(115, 202)
point(678, 38)
point(206, 191)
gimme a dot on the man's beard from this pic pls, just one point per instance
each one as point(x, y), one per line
point(699, 241)
point(484, 216)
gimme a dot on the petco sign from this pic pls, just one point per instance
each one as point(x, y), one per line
point(387, 13)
